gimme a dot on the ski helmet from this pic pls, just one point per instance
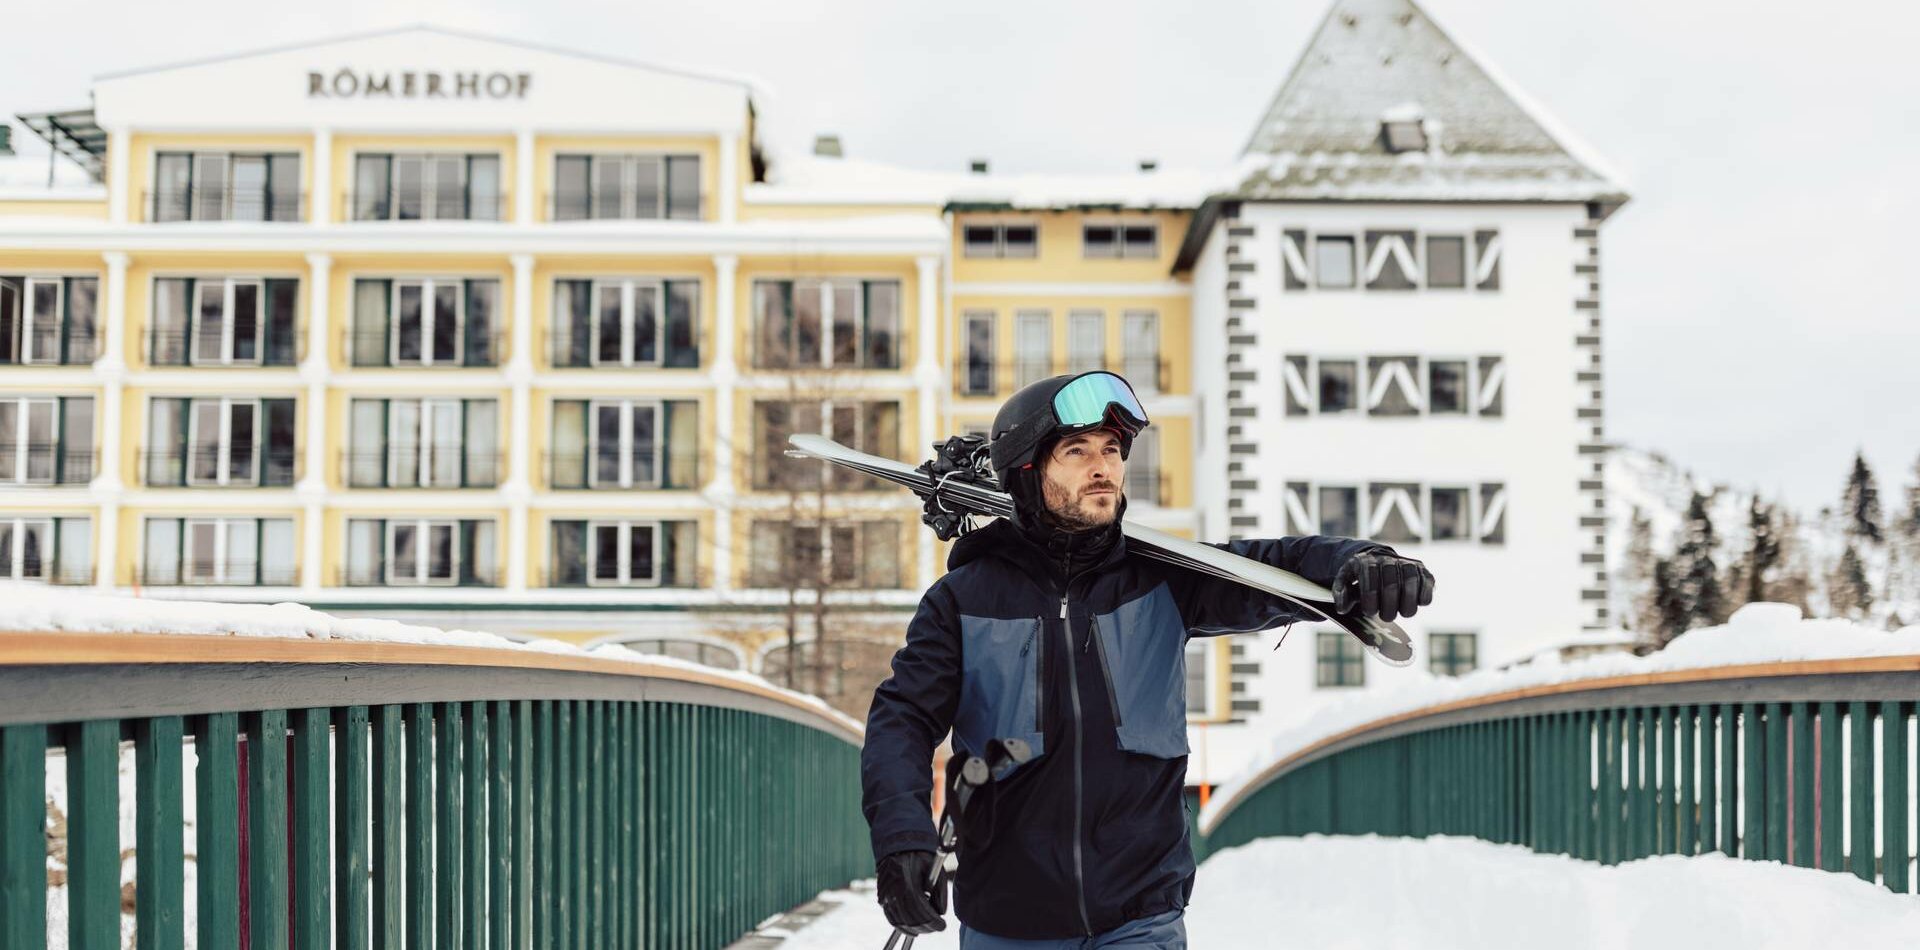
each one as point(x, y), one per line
point(1051, 409)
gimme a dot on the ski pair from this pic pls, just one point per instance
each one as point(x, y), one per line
point(956, 486)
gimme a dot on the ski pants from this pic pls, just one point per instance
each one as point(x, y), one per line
point(1166, 931)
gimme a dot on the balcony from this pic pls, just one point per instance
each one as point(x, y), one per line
point(463, 205)
point(203, 467)
point(46, 465)
point(974, 376)
point(225, 203)
point(375, 575)
point(437, 466)
point(197, 573)
point(175, 348)
point(377, 348)
point(593, 204)
point(44, 343)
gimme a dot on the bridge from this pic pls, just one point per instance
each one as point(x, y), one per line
point(303, 793)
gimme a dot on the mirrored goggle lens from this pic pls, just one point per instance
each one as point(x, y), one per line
point(1086, 399)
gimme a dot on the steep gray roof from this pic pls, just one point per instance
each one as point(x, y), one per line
point(1321, 137)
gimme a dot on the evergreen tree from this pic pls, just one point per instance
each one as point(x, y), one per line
point(1763, 551)
point(1671, 612)
point(1848, 590)
point(1793, 579)
point(1908, 527)
point(1693, 570)
point(1860, 503)
point(1636, 571)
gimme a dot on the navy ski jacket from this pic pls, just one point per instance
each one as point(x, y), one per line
point(1092, 832)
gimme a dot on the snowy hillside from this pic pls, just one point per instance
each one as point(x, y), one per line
point(1649, 484)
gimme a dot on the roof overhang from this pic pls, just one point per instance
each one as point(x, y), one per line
point(73, 133)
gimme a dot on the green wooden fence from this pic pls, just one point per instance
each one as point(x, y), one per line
point(1808, 764)
point(558, 815)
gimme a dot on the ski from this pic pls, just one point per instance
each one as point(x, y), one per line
point(955, 487)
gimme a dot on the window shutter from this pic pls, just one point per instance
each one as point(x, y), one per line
point(1299, 510)
point(1293, 259)
point(1486, 260)
point(1299, 396)
point(1491, 400)
point(1493, 513)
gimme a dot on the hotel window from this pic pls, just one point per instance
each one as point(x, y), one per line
point(426, 187)
point(1339, 382)
point(1140, 350)
point(1453, 654)
point(220, 441)
point(624, 443)
point(426, 322)
point(1390, 262)
point(840, 555)
point(625, 322)
point(1333, 261)
point(413, 552)
point(1450, 518)
point(692, 651)
point(1120, 240)
point(46, 440)
point(622, 553)
point(1032, 347)
point(424, 443)
point(1145, 484)
point(1393, 386)
point(833, 324)
point(249, 552)
point(48, 320)
point(225, 186)
point(1000, 240)
point(1340, 512)
point(1200, 676)
point(224, 321)
point(869, 426)
point(1394, 513)
point(1338, 661)
point(52, 550)
point(1447, 387)
point(626, 187)
point(977, 366)
point(1086, 341)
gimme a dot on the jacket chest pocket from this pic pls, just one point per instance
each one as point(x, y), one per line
point(999, 683)
point(1142, 648)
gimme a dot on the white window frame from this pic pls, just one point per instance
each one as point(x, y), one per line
point(1119, 252)
point(1210, 660)
point(224, 442)
point(430, 407)
point(221, 567)
point(624, 548)
point(16, 555)
point(630, 183)
point(1470, 514)
point(630, 289)
point(429, 320)
point(1085, 317)
point(23, 438)
point(28, 314)
point(965, 347)
point(999, 249)
point(429, 182)
point(423, 528)
point(226, 286)
point(626, 408)
point(1026, 317)
point(1129, 360)
point(1363, 265)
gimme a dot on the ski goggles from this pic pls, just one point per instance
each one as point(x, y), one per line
point(1096, 399)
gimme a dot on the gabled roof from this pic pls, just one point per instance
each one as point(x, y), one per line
point(1373, 60)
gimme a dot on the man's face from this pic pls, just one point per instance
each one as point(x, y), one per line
point(1082, 479)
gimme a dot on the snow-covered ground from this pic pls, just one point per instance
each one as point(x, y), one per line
point(1443, 893)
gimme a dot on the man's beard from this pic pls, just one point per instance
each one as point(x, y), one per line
point(1071, 516)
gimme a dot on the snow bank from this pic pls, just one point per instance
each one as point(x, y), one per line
point(1464, 894)
point(37, 610)
point(1756, 633)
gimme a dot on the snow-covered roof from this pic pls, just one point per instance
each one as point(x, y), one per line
point(1373, 61)
point(26, 176)
point(804, 178)
point(1756, 633)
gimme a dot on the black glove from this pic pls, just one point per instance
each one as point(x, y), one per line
point(904, 894)
point(1382, 583)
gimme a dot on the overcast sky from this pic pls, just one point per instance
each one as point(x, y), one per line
point(1753, 329)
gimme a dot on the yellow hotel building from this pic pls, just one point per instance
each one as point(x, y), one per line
point(462, 330)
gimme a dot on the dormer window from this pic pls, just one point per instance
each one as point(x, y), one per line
point(1403, 129)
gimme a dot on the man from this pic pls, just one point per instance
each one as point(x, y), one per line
point(1044, 629)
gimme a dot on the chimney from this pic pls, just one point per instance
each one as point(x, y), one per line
point(1149, 164)
point(827, 145)
point(978, 166)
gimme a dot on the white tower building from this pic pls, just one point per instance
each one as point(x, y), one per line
point(1396, 327)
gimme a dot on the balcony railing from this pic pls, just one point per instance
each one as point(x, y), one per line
point(444, 467)
point(375, 575)
point(46, 465)
point(973, 376)
point(565, 353)
point(195, 573)
point(573, 204)
point(82, 347)
point(202, 467)
point(175, 348)
point(225, 203)
point(1149, 486)
point(572, 471)
point(375, 348)
point(466, 206)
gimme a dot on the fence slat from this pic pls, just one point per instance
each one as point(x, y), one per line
point(1686, 817)
point(1753, 782)
point(312, 881)
point(1894, 802)
point(1860, 782)
point(1832, 849)
point(473, 811)
point(23, 841)
point(420, 847)
point(352, 882)
point(388, 828)
point(450, 856)
point(500, 827)
point(216, 788)
point(160, 921)
point(93, 835)
point(267, 877)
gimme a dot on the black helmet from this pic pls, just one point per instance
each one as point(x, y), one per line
point(1060, 406)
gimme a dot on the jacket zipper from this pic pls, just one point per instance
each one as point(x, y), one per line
point(1106, 671)
point(1038, 643)
point(1079, 751)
